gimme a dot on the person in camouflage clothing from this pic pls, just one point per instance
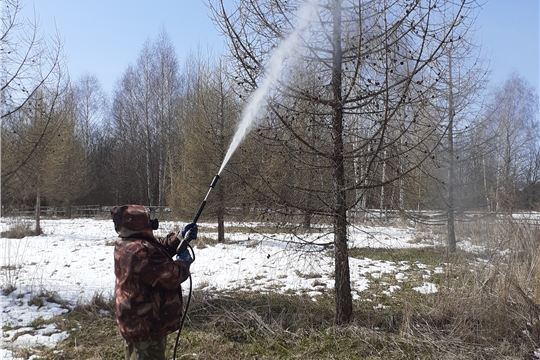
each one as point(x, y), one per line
point(148, 292)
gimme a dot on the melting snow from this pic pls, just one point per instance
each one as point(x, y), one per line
point(74, 260)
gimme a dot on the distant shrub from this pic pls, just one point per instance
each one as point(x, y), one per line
point(8, 289)
point(18, 231)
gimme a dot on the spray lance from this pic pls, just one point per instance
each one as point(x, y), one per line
point(184, 243)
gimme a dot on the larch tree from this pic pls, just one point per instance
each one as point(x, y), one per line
point(465, 80)
point(209, 113)
point(30, 63)
point(46, 144)
point(358, 91)
point(67, 175)
point(32, 84)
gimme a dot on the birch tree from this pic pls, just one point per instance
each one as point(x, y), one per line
point(144, 123)
point(513, 119)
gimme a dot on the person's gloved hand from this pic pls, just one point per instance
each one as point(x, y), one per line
point(185, 257)
point(189, 232)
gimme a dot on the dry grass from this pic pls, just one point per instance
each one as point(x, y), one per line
point(19, 230)
point(487, 307)
point(92, 333)
point(495, 303)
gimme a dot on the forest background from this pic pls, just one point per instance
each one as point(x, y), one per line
point(159, 138)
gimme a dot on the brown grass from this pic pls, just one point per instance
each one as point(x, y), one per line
point(18, 231)
point(487, 307)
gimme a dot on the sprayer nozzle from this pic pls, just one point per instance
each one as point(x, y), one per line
point(214, 181)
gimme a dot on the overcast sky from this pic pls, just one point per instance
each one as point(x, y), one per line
point(103, 37)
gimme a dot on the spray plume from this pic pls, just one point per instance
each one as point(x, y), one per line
point(259, 99)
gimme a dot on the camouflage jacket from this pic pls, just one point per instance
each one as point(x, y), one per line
point(148, 293)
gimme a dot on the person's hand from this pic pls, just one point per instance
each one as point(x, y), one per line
point(185, 257)
point(189, 232)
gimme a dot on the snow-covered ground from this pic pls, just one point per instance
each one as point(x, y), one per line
point(73, 261)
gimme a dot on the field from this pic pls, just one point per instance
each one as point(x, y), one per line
point(267, 293)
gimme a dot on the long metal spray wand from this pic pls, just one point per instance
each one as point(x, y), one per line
point(214, 181)
point(180, 249)
point(184, 243)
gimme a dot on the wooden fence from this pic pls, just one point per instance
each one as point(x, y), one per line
point(88, 211)
point(252, 214)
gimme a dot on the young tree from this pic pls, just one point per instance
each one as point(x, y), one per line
point(465, 79)
point(56, 171)
point(67, 176)
point(209, 112)
point(369, 73)
point(32, 86)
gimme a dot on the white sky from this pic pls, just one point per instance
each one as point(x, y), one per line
point(103, 37)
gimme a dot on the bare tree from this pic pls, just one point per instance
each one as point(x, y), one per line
point(465, 79)
point(374, 69)
point(209, 112)
point(29, 62)
point(92, 113)
point(92, 105)
point(144, 122)
point(513, 125)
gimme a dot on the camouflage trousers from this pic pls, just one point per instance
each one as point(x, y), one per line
point(146, 350)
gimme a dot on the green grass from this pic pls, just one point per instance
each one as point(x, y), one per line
point(433, 256)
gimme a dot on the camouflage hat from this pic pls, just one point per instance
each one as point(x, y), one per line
point(131, 219)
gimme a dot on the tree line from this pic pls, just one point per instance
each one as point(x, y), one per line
point(393, 109)
point(383, 105)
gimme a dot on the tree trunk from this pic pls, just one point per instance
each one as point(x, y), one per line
point(342, 275)
point(220, 214)
point(38, 213)
point(221, 227)
point(306, 224)
point(451, 234)
point(383, 180)
point(222, 149)
point(486, 190)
